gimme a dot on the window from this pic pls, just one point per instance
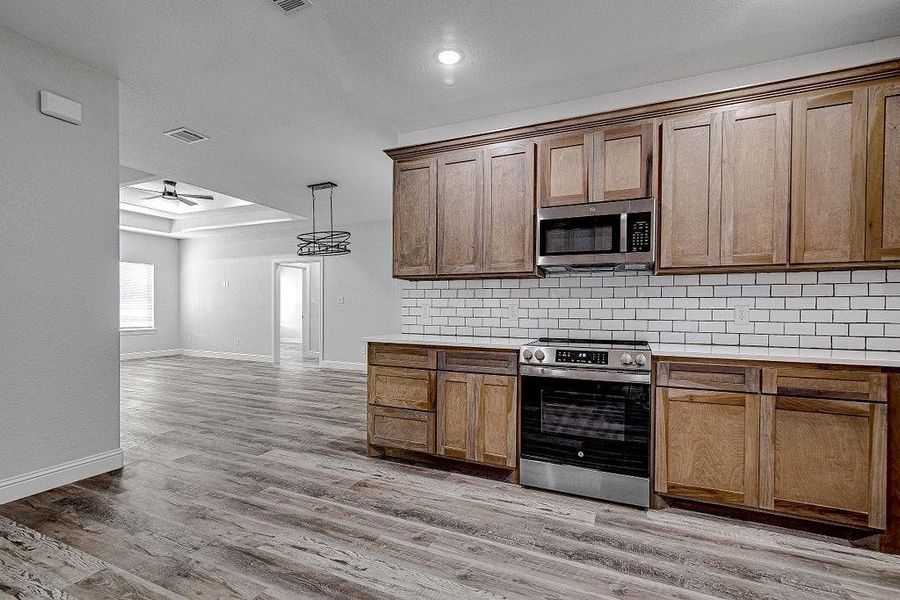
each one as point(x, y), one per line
point(135, 296)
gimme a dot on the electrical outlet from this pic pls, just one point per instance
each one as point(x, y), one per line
point(340, 299)
point(237, 342)
point(426, 312)
point(742, 315)
point(226, 283)
point(190, 339)
point(513, 311)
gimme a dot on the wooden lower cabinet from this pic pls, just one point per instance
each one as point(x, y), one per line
point(401, 388)
point(401, 428)
point(824, 459)
point(813, 445)
point(707, 445)
point(477, 418)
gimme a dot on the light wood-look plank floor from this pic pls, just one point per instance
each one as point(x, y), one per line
point(245, 480)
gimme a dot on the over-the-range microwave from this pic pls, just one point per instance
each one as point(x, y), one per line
point(616, 234)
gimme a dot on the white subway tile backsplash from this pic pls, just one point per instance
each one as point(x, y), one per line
point(832, 309)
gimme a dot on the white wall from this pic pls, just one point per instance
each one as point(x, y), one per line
point(59, 330)
point(291, 303)
point(238, 318)
point(162, 252)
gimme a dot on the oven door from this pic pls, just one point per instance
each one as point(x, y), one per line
point(601, 423)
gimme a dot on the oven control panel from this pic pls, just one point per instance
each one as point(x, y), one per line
point(582, 357)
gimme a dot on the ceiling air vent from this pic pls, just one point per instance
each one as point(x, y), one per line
point(186, 135)
point(291, 6)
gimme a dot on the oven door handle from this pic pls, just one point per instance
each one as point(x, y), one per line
point(584, 374)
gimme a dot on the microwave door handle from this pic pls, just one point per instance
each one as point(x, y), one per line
point(623, 233)
point(584, 374)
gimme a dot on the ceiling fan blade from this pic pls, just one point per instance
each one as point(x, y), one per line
point(152, 197)
point(188, 202)
point(195, 196)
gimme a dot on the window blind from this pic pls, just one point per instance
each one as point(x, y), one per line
point(135, 296)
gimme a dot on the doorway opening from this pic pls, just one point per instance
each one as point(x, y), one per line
point(297, 327)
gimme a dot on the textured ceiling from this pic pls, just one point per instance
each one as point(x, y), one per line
point(292, 100)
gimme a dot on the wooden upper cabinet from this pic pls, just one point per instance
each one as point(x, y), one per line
point(883, 201)
point(564, 162)
point(756, 179)
point(691, 191)
point(509, 208)
point(460, 209)
point(824, 459)
point(415, 198)
point(828, 195)
point(707, 445)
point(621, 164)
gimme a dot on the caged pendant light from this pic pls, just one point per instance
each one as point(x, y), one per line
point(323, 243)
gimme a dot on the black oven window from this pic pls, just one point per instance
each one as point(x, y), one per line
point(567, 413)
point(584, 235)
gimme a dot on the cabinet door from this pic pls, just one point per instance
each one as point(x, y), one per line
point(415, 197)
point(456, 414)
point(496, 420)
point(883, 198)
point(509, 208)
point(828, 189)
point(622, 162)
point(459, 213)
point(824, 459)
point(563, 169)
point(707, 445)
point(756, 179)
point(690, 219)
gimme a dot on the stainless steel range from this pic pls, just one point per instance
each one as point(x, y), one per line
point(586, 418)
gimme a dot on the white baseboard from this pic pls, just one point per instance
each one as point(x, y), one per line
point(342, 366)
point(228, 355)
point(35, 482)
point(150, 354)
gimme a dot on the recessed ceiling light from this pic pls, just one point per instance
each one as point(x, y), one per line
point(449, 57)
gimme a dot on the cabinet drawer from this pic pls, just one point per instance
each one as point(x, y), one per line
point(401, 355)
point(401, 428)
point(401, 388)
point(703, 376)
point(479, 361)
point(821, 382)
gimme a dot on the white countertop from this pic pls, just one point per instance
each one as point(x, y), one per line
point(863, 358)
point(450, 340)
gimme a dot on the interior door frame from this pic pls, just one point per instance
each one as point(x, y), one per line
point(302, 264)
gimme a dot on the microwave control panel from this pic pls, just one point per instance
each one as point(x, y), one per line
point(639, 232)
point(582, 357)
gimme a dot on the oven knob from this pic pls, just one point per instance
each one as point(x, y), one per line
point(580, 454)
point(640, 360)
point(626, 359)
point(539, 354)
point(526, 354)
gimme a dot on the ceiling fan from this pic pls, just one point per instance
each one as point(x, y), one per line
point(169, 193)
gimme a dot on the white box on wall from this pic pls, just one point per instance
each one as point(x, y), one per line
point(61, 108)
